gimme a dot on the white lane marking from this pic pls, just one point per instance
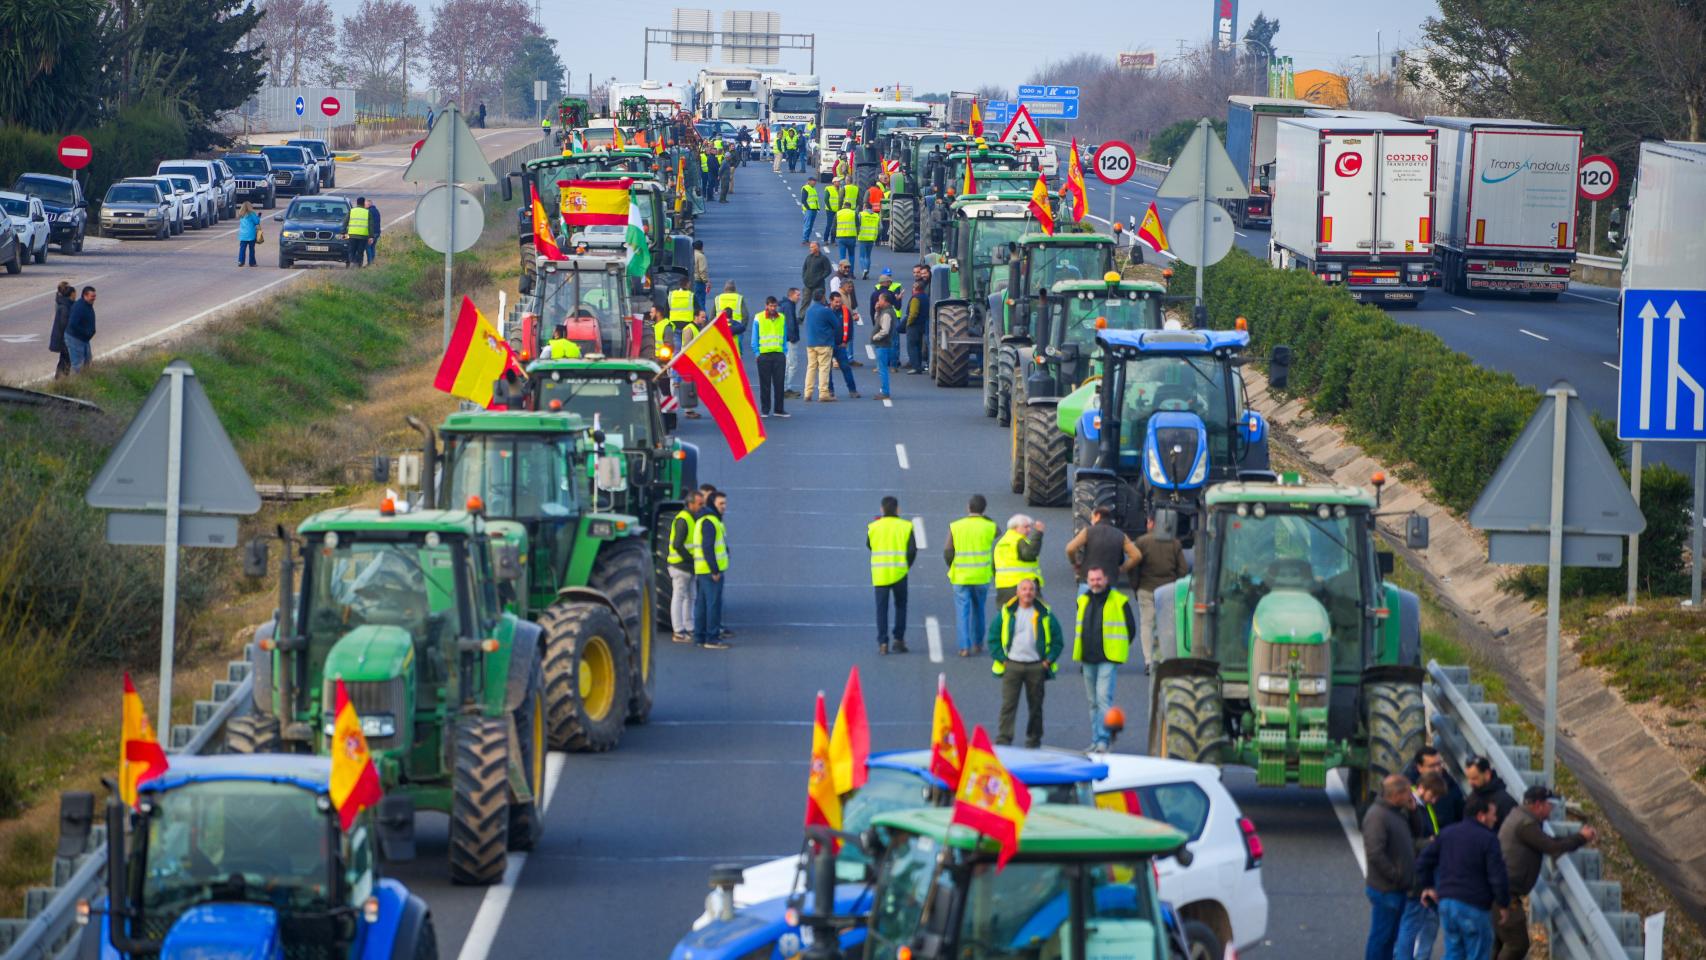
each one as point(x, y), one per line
point(870, 352)
point(933, 634)
point(900, 454)
point(1612, 365)
point(1342, 808)
point(918, 533)
point(478, 944)
point(1461, 310)
point(48, 292)
point(1583, 296)
point(1535, 335)
point(887, 402)
point(1242, 234)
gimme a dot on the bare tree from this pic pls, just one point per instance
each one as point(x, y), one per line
point(300, 39)
point(472, 45)
point(379, 43)
point(1672, 39)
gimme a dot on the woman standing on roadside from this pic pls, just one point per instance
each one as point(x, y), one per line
point(248, 231)
point(62, 299)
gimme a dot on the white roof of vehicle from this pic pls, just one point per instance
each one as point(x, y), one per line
point(1128, 770)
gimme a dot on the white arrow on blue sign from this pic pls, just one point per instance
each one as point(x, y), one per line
point(1661, 379)
point(301, 105)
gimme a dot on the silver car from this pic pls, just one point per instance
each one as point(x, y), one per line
point(180, 206)
point(135, 208)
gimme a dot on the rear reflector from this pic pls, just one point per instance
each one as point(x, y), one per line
point(1563, 234)
point(1424, 231)
point(1326, 229)
point(1480, 231)
point(1252, 844)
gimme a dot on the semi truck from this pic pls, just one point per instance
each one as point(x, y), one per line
point(840, 108)
point(1250, 131)
point(1353, 204)
point(734, 94)
point(1507, 205)
point(791, 99)
point(1666, 248)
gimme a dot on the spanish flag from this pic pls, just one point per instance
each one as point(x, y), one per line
point(140, 758)
point(543, 243)
point(711, 361)
point(850, 743)
point(616, 141)
point(1040, 208)
point(823, 804)
point(591, 203)
point(1150, 231)
point(969, 186)
point(975, 127)
point(1075, 184)
point(990, 800)
point(947, 738)
point(476, 357)
point(355, 780)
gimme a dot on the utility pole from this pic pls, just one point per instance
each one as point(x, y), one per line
point(405, 110)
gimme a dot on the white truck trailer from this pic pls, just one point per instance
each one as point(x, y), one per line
point(1354, 204)
point(1507, 205)
point(734, 94)
point(1666, 249)
point(840, 108)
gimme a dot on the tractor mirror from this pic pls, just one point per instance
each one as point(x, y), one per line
point(506, 561)
point(1386, 562)
point(381, 468)
point(76, 820)
point(506, 189)
point(255, 558)
point(396, 828)
point(1184, 856)
point(1416, 532)
point(1166, 524)
point(609, 475)
point(1279, 367)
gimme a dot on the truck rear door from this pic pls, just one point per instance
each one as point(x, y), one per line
point(1522, 190)
point(1348, 163)
point(1406, 186)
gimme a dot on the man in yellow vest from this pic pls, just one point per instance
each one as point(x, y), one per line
point(846, 230)
point(810, 204)
point(1016, 556)
point(832, 197)
point(560, 347)
point(870, 223)
point(893, 549)
point(1102, 641)
point(771, 332)
point(683, 544)
point(710, 563)
point(675, 331)
point(1024, 642)
point(360, 228)
point(971, 566)
point(850, 192)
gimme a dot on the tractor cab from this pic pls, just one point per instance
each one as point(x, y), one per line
point(985, 159)
point(586, 293)
point(980, 236)
point(1076, 310)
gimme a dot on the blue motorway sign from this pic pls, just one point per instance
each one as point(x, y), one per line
point(998, 112)
point(301, 105)
point(1052, 109)
point(1037, 91)
point(1661, 379)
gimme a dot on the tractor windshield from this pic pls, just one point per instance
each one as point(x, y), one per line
point(521, 476)
point(1285, 550)
point(1122, 311)
point(622, 407)
point(242, 840)
point(590, 303)
point(893, 121)
point(988, 233)
point(1052, 263)
point(1199, 384)
point(406, 583)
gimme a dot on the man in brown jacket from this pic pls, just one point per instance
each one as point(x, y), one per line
point(1524, 842)
point(1162, 562)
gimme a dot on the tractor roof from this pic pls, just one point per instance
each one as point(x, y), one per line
point(595, 365)
point(1051, 830)
point(513, 421)
point(308, 772)
point(1065, 287)
point(1176, 341)
point(1014, 206)
point(1066, 239)
point(1034, 767)
point(1307, 494)
point(368, 519)
point(636, 175)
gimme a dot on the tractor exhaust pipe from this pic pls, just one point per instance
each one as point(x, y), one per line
point(429, 461)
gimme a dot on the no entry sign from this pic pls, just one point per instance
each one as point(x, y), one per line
point(1115, 162)
point(74, 152)
point(330, 106)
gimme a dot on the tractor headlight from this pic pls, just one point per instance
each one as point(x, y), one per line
point(602, 529)
point(1200, 473)
point(1157, 475)
point(1279, 683)
point(374, 725)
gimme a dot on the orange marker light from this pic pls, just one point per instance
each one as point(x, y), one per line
point(1101, 323)
point(489, 645)
point(388, 507)
point(1240, 324)
point(1379, 478)
point(556, 405)
point(475, 504)
point(1167, 273)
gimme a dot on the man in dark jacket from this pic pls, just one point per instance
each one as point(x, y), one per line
point(1485, 783)
point(1389, 847)
point(1523, 841)
point(80, 329)
point(372, 228)
point(1103, 545)
point(1464, 874)
point(916, 321)
point(63, 298)
point(814, 276)
point(894, 549)
point(1161, 561)
point(822, 329)
point(1101, 642)
point(709, 569)
point(1449, 808)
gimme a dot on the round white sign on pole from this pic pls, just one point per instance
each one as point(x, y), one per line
point(1596, 178)
point(1115, 162)
point(1185, 232)
point(433, 218)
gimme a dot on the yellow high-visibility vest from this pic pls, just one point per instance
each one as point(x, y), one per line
point(1042, 630)
point(700, 564)
point(359, 222)
point(833, 196)
point(850, 195)
point(812, 202)
point(869, 222)
point(1009, 569)
point(733, 303)
point(974, 551)
point(563, 349)
point(845, 226)
point(772, 333)
point(691, 541)
point(1116, 640)
point(888, 549)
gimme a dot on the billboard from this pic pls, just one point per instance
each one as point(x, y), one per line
point(1225, 23)
point(1135, 60)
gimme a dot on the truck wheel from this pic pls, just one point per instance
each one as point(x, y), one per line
point(1188, 720)
point(253, 734)
point(526, 820)
point(586, 676)
point(903, 224)
point(949, 361)
point(624, 573)
point(1047, 451)
point(1397, 728)
point(479, 807)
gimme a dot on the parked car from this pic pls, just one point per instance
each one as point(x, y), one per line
point(257, 181)
point(207, 195)
point(11, 246)
point(135, 208)
point(299, 163)
point(315, 228)
point(321, 151)
point(185, 187)
point(225, 188)
point(67, 209)
point(180, 202)
point(30, 223)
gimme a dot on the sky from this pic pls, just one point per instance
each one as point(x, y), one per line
point(990, 41)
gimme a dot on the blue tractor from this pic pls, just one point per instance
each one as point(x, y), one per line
point(245, 856)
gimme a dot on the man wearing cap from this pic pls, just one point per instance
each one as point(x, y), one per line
point(1524, 841)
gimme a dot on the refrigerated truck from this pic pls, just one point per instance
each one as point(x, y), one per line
point(1250, 142)
point(666, 98)
point(1666, 249)
point(734, 94)
point(838, 110)
point(791, 99)
point(1507, 205)
point(1354, 204)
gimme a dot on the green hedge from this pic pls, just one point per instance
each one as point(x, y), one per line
point(132, 144)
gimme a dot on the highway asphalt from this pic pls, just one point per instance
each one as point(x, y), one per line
point(719, 774)
point(151, 289)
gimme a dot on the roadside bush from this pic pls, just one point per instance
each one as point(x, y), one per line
point(130, 145)
point(23, 150)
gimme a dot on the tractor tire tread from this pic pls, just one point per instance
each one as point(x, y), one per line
point(253, 734)
point(1193, 713)
point(624, 572)
point(567, 624)
point(1048, 451)
point(479, 806)
point(949, 364)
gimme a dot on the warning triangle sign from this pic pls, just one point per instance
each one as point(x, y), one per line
point(1022, 130)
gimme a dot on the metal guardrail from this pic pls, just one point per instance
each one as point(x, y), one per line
point(1582, 913)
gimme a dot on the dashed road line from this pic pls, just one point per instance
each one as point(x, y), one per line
point(1461, 310)
point(1342, 808)
point(933, 635)
point(478, 944)
point(870, 352)
point(900, 454)
point(918, 533)
point(1535, 335)
point(1612, 365)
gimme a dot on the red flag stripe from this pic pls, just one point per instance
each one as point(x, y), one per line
point(460, 337)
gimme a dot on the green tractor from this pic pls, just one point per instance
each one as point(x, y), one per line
point(1060, 358)
point(980, 229)
point(542, 175)
point(405, 608)
point(1286, 650)
point(913, 149)
point(572, 112)
point(1033, 263)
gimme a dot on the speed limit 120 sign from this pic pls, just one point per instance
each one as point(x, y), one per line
point(1596, 178)
point(1115, 162)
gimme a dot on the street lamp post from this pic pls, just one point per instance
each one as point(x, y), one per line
point(1267, 60)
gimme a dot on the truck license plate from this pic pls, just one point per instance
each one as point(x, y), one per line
point(319, 248)
point(1400, 296)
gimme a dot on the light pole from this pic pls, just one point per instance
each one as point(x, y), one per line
point(1267, 61)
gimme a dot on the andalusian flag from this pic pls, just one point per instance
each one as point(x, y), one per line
point(1150, 231)
point(975, 127)
point(990, 800)
point(140, 758)
point(947, 738)
point(476, 357)
point(711, 361)
point(969, 186)
point(355, 780)
point(543, 243)
point(1040, 208)
point(823, 804)
point(591, 203)
point(850, 743)
point(1075, 184)
point(639, 248)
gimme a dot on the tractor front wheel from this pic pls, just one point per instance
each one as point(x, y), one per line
point(253, 734)
point(1397, 727)
point(949, 361)
point(1088, 493)
point(479, 804)
point(903, 224)
point(526, 818)
point(586, 676)
point(1016, 441)
point(1187, 721)
point(1047, 450)
point(624, 573)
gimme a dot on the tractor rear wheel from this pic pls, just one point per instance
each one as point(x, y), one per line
point(253, 734)
point(526, 818)
point(1088, 493)
point(260, 668)
point(1047, 452)
point(1006, 360)
point(1397, 728)
point(586, 676)
point(903, 224)
point(1188, 720)
point(479, 803)
point(624, 573)
point(949, 361)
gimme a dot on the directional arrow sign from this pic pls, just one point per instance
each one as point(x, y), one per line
point(301, 105)
point(1022, 130)
point(1661, 388)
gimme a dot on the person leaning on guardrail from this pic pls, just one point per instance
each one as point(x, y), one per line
point(1523, 841)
